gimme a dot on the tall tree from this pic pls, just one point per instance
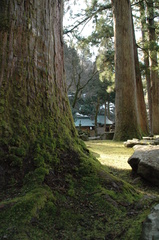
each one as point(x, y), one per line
point(34, 105)
point(141, 106)
point(125, 80)
point(80, 71)
point(153, 66)
point(146, 58)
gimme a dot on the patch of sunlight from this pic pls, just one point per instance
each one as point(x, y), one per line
point(115, 161)
point(110, 153)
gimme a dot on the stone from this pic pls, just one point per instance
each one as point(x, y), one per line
point(150, 228)
point(145, 141)
point(107, 136)
point(148, 138)
point(134, 142)
point(145, 161)
point(83, 136)
point(156, 141)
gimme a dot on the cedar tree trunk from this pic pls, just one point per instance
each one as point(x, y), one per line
point(126, 122)
point(154, 75)
point(35, 117)
point(146, 61)
point(141, 106)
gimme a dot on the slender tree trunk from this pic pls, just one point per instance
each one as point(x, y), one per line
point(96, 117)
point(153, 68)
point(141, 106)
point(126, 122)
point(149, 88)
point(76, 96)
point(108, 109)
point(33, 100)
point(146, 62)
point(142, 114)
point(105, 115)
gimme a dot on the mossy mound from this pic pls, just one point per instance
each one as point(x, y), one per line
point(53, 188)
point(77, 199)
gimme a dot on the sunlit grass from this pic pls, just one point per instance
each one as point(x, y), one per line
point(111, 153)
point(114, 156)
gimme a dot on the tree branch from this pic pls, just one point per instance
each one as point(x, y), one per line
point(100, 9)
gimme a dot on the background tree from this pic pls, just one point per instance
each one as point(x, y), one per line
point(80, 70)
point(102, 33)
point(102, 36)
point(144, 46)
point(141, 106)
point(153, 65)
point(105, 64)
point(148, 22)
point(125, 79)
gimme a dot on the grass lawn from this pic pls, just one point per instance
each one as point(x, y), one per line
point(115, 156)
point(111, 153)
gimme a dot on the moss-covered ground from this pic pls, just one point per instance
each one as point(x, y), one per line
point(81, 199)
point(115, 157)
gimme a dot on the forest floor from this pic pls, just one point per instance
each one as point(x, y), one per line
point(114, 155)
point(89, 198)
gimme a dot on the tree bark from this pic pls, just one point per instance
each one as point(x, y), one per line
point(126, 122)
point(96, 116)
point(33, 99)
point(146, 61)
point(105, 115)
point(141, 106)
point(153, 68)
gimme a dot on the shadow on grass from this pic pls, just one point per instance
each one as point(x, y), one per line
point(109, 148)
point(131, 177)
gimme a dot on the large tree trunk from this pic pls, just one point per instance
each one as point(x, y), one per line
point(34, 106)
point(153, 68)
point(126, 122)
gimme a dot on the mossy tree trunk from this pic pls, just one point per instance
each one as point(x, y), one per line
point(126, 123)
point(35, 118)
